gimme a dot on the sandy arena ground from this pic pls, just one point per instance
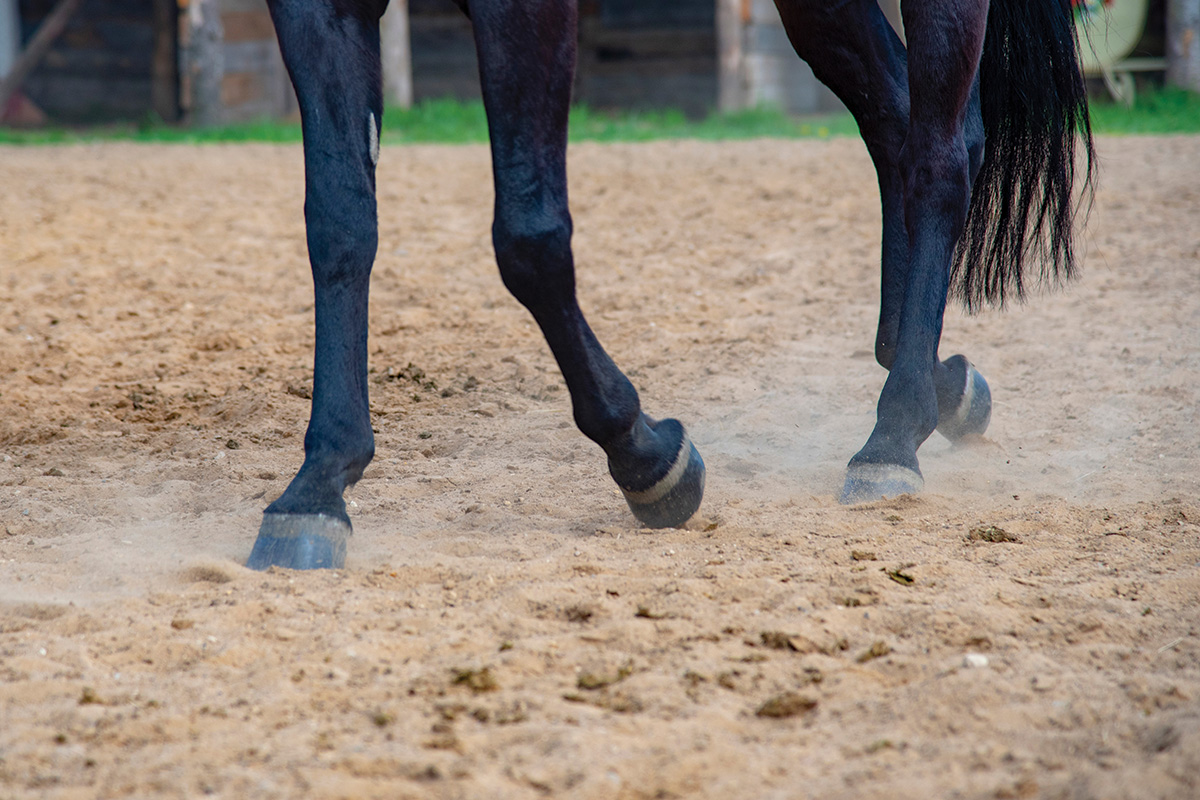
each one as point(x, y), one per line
point(1028, 627)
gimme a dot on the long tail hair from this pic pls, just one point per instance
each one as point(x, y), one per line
point(1035, 115)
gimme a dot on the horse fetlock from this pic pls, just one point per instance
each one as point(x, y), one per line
point(907, 415)
point(309, 493)
point(317, 488)
point(637, 455)
point(345, 470)
point(342, 452)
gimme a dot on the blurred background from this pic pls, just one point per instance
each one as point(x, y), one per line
point(208, 62)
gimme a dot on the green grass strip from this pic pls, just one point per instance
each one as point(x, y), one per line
point(1164, 111)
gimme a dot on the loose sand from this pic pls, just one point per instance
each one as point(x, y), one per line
point(1028, 627)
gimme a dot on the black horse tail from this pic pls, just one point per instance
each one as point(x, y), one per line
point(1035, 114)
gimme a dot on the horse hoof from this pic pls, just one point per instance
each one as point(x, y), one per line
point(867, 482)
point(974, 410)
point(300, 541)
point(672, 499)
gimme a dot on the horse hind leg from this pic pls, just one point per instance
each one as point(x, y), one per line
point(333, 60)
point(853, 49)
point(964, 399)
point(945, 42)
point(527, 59)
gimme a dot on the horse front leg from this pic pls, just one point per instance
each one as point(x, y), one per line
point(935, 169)
point(333, 59)
point(527, 60)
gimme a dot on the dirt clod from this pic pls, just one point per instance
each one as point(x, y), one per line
point(477, 680)
point(788, 704)
point(993, 534)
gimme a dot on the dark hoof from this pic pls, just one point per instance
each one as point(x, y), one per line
point(974, 409)
point(671, 500)
point(866, 483)
point(300, 541)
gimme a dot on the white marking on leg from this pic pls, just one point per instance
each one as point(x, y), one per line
point(373, 137)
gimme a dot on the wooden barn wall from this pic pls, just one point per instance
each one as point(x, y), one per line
point(443, 51)
point(101, 68)
point(121, 59)
point(632, 53)
point(126, 59)
point(645, 54)
point(253, 83)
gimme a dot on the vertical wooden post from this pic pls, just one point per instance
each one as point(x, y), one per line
point(731, 58)
point(205, 61)
point(1183, 43)
point(47, 32)
point(757, 64)
point(164, 78)
point(10, 35)
point(396, 56)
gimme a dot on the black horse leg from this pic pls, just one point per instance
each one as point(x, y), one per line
point(332, 54)
point(527, 61)
point(945, 42)
point(854, 50)
point(963, 397)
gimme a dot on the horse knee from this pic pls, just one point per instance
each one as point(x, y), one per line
point(342, 240)
point(936, 175)
point(534, 256)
